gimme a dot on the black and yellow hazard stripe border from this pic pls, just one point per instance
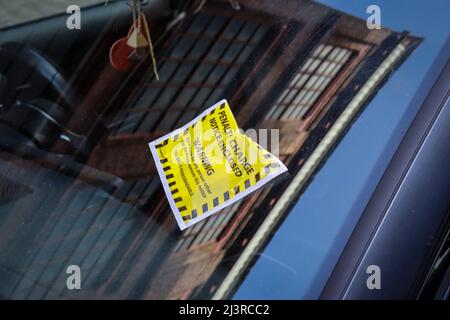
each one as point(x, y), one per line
point(183, 217)
point(228, 196)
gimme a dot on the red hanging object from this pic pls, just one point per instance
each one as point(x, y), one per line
point(120, 52)
point(119, 55)
point(128, 52)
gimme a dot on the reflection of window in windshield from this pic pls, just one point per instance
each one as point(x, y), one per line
point(306, 87)
point(97, 201)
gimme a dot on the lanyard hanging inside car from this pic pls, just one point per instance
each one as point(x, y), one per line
point(139, 40)
point(126, 52)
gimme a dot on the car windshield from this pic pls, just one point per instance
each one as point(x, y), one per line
point(329, 87)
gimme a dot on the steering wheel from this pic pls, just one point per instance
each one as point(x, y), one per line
point(36, 100)
point(26, 74)
point(36, 103)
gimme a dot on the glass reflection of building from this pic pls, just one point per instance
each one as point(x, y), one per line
point(302, 68)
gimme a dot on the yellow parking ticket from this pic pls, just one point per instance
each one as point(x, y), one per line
point(209, 163)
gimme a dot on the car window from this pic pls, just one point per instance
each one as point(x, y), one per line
point(316, 83)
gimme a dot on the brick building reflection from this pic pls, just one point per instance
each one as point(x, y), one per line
point(302, 68)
